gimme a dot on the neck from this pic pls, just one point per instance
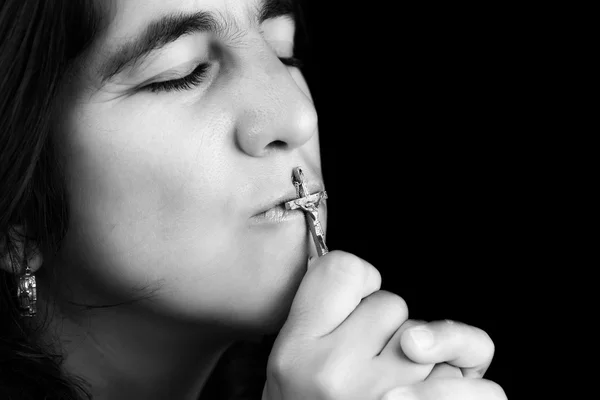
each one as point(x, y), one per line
point(126, 352)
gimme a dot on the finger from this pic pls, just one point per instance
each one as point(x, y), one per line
point(394, 361)
point(448, 389)
point(374, 322)
point(444, 370)
point(393, 348)
point(458, 344)
point(332, 288)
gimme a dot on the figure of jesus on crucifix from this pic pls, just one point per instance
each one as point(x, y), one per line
point(309, 203)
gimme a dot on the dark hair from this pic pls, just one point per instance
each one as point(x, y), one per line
point(40, 42)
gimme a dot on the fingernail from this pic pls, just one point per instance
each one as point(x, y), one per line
point(422, 337)
point(401, 393)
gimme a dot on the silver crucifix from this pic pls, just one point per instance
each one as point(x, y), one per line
point(309, 203)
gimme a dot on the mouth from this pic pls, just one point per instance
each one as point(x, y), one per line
point(276, 215)
point(274, 210)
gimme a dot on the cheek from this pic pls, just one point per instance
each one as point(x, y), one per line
point(151, 205)
point(142, 193)
point(137, 173)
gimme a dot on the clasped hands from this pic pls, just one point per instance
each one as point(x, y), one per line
point(345, 339)
point(448, 359)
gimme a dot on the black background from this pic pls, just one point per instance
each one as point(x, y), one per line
point(413, 120)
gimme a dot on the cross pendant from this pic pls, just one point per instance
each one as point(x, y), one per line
point(309, 203)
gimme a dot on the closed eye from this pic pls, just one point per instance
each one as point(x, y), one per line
point(198, 75)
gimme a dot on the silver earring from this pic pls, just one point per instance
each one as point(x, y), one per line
point(27, 294)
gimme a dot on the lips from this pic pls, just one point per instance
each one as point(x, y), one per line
point(279, 202)
point(277, 214)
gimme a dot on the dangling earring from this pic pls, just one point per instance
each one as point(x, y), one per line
point(27, 293)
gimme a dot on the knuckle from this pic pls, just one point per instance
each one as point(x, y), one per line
point(487, 337)
point(342, 258)
point(348, 265)
point(496, 392)
point(282, 364)
point(326, 381)
point(329, 382)
point(276, 367)
point(490, 346)
point(389, 306)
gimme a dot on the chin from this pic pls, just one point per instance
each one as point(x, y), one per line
point(272, 301)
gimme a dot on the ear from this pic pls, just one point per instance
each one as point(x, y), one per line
point(17, 263)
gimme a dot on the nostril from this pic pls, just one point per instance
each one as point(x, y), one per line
point(277, 145)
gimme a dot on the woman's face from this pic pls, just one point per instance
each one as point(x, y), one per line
point(171, 159)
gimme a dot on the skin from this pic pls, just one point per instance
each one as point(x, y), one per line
point(162, 191)
point(162, 188)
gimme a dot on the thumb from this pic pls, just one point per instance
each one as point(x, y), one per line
point(458, 344)
point(332, 288)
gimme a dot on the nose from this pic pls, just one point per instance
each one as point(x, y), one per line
point(274, 111)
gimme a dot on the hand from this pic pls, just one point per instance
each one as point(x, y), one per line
point(463, 350)
point(448, 389)
point(454, 345)
point(339, 339)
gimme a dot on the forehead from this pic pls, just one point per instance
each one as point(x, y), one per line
point(123, 18)
point(132, 28)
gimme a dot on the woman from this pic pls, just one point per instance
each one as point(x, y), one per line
point(146, 148)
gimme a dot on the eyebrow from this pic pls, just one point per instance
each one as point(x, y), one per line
point(169, 28)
